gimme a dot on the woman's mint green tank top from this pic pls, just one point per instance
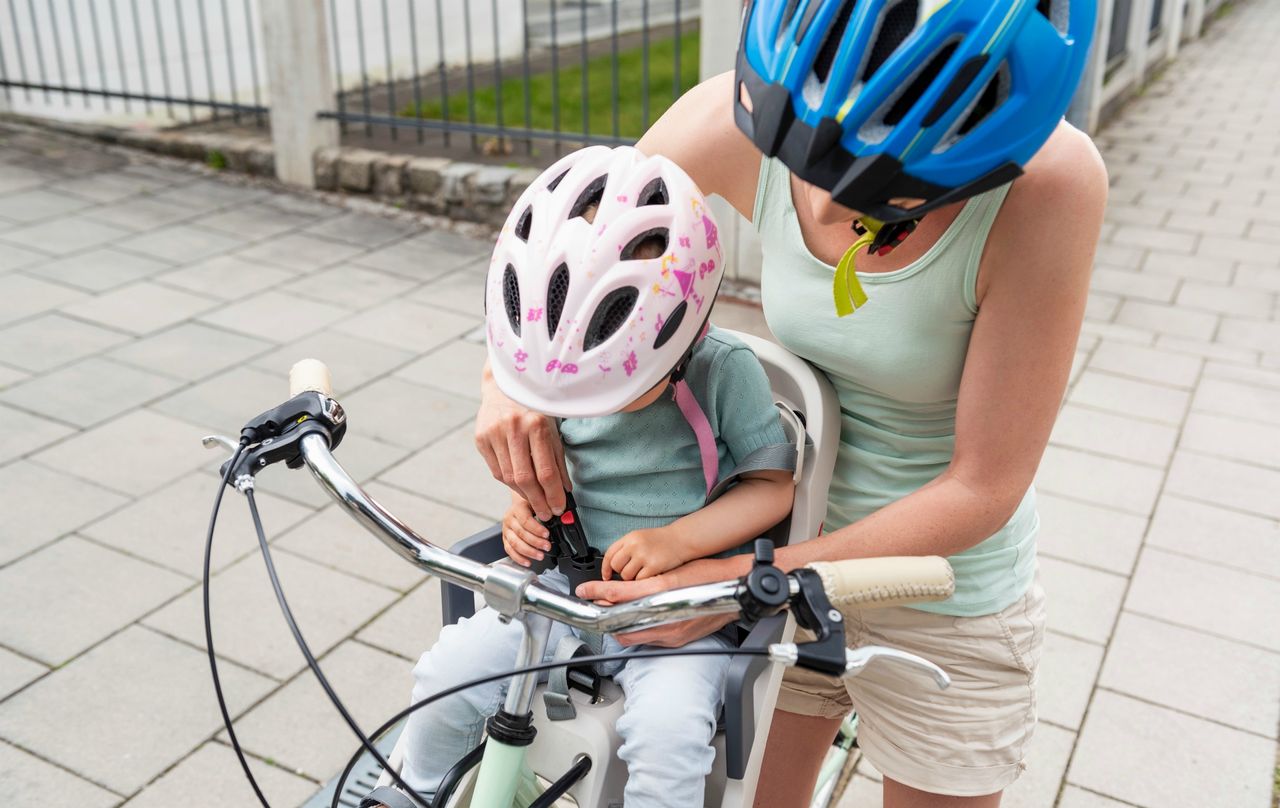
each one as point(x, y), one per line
point(896, 364)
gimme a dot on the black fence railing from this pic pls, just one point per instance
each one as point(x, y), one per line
point(175, 59)
point(509, 77)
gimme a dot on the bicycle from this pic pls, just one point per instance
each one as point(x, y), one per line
point(307, 428)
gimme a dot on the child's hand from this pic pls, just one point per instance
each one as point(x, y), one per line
point(523, 536)
point(642, 554)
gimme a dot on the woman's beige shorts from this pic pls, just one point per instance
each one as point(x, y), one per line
point(965, 741)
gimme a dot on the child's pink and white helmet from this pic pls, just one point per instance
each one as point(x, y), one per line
point(577, 326)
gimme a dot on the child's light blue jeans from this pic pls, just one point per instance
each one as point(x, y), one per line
point(667, 725)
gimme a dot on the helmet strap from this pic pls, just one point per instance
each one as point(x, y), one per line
point(693, 414)
point(879, 238)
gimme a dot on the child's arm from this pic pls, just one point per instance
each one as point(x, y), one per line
point(758, 502)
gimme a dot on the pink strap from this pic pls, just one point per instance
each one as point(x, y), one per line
point(697, 419)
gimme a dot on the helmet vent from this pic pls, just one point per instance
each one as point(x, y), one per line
point(895, 26)
point(1057, 12)
point(610, 315)
point(524, 224)
point(557, 291)
point(835, 35)
point(996, 91)
point(788, 14)
point(655, 193)
point(649, 244)
point(589, 198)
point(511, 297)
point(672, 324)
point(551, 186)
point(923, 79)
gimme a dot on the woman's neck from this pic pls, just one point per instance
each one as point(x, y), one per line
point(828, 242)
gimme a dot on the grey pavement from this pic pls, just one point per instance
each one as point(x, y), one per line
point(145, 303)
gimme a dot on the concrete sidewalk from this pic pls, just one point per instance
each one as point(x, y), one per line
point(143, 304)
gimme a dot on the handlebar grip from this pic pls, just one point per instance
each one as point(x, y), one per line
point(310, 374)
point(872, 583)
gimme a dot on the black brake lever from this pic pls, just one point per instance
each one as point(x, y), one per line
point(277, 434)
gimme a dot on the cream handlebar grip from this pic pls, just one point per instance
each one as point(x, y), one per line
point(870, 583)
point(310, 374)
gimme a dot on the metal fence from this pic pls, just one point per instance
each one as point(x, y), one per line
point(506, 75)
point(175, 60)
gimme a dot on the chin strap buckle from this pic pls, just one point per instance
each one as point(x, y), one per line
point(885, 236)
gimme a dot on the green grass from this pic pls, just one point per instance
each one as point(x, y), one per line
point(599, 92)
point(215, 160)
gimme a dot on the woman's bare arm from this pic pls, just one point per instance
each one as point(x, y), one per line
point(1033, 286)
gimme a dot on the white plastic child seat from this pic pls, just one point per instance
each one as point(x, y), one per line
point(804, 391)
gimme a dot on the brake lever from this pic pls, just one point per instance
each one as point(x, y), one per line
point(857, 660)
point(214, 441)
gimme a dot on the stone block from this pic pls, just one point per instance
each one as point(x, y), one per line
point(262, 159)
point(489, 185)
point(355, 170)
point(390, 175)
point(1084, 602)
point(456, 183)
point(426, 175)
point(237, 154)
point(325, 165)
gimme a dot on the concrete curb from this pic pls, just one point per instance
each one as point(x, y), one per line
point(461, 191)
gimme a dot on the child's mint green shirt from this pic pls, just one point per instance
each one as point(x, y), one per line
point(643, 469)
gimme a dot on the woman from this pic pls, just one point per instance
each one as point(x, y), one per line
point(949, 375)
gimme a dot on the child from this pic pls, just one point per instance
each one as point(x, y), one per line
point(596, 305)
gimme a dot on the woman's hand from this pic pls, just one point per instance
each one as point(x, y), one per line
point(642, 554)
point(672, 635)
point(523, 537)
point(522, 449)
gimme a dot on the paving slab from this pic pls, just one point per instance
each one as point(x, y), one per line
point(1046, 762)
point(363, 229)
point(42, 504)
point(23, 296)
point(1195, 673)
point(334, 538)
point(226, 401)
point(28, 780)
point(1244, 541)
point(1118, 436)
point(99, 270)
point(422, 258)
point(275, 316)
point(451, 471)
point(1118, 484)
point(189, 351)
point(64, 235)
point(142, 213)
point(17, 671)
point(362, 456)
point(247, 625)
point(1092, 535)
point(39, 203)
point(353, 361)
point(141, 308)
point(21, 432)
point(298, 252)
point(1128, 397)
point(409, 325)
point(257, 221)
point(181, 243)
point(138, 691)
point(1249, 401)
point(381, 408)
point(146, 450)
point(1146, 364)
point(99, 591)
point(89, 391)
point(226, 277)
point(1068, 672)
point(1155, 757)
point(1076, 797)
point(1233, 438)
point(210, 778)
point(410, 626)
point(352, 286)
point(455, 366)
point(1082, 602)
point(297, 727)
point(1208, 597)
point(168, 526)
point(1235, 485)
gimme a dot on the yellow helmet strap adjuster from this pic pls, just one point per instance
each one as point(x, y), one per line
point(879, 238)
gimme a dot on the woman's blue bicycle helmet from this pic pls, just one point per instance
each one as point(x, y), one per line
point(935, 100)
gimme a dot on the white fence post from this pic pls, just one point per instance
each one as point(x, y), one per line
point(295, 45)
point(718, 50)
